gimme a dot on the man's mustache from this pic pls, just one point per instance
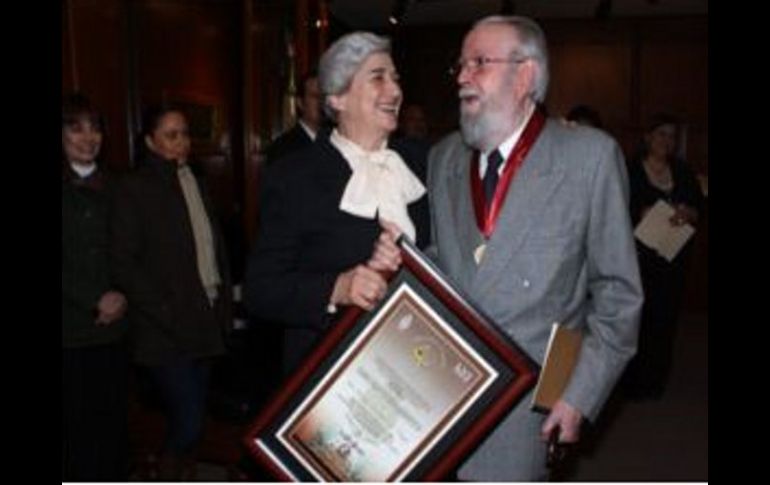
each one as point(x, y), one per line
point(468, 93)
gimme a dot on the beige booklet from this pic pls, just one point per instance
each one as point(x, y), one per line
point(656, 232)
point(560, 358)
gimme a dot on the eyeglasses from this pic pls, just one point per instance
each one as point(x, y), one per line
point(475, 64)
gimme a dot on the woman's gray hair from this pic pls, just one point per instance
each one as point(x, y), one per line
point(342, 60)
point(532, 44)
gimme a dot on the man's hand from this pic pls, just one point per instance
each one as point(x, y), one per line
point(360, 286)
point(567, 418)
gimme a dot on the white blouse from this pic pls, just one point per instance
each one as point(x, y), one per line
point(381, 182)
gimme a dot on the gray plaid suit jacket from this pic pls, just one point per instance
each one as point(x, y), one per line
point(562, 251)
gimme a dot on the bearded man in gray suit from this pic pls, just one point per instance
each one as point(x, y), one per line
point(530, 219)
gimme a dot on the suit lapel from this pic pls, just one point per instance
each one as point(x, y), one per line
point(453, 211)
point(525, 201)
point(468, 235)
point(333, 171)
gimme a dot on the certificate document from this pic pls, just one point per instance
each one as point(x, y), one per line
point(656, 232)
point(397, 390)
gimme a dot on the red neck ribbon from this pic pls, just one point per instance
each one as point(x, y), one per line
point(487, 213)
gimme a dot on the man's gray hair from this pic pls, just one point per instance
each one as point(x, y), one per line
point(341, 61)
point(532, 44)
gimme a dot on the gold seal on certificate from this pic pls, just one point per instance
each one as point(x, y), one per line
point(478, 253)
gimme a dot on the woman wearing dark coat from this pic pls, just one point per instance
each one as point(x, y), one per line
point(321, 206)
point(657, 174)
point(94, 360)
point(171, 262)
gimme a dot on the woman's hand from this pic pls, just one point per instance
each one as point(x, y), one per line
point(684, 215)
point(365, 285)
point(111, 307)
point(386, 255)
point(361, 286)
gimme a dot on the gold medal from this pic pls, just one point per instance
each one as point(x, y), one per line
point(479, 253)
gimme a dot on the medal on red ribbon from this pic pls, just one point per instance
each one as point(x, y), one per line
point(487, 213)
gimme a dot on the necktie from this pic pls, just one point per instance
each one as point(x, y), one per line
point(490, 177)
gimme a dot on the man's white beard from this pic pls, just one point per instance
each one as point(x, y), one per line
point(478, 129)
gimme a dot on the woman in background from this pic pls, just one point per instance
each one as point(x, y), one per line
point(657, 174)
point(170, 260)
point(94, 360)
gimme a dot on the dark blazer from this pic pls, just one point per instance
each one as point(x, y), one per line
point(290, 141)
point(663, 280)
point(304, 242)
point(155, 264)
point(85, 215)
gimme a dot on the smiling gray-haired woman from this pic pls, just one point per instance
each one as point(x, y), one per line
point(342, 60)
point(322, 206)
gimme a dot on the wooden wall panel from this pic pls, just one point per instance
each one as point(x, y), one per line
point(595, 74)
point(674, 78)
point(266, 75)
point(94, 64)
point(185, 48)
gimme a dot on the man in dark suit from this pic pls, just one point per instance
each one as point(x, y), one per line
point(304, 132)
point(300, 136)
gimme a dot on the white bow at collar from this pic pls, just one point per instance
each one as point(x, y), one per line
point(381, 182)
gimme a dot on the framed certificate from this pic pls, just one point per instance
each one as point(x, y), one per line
point(401, 393)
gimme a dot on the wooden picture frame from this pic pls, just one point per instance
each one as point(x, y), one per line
point(401, 393)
